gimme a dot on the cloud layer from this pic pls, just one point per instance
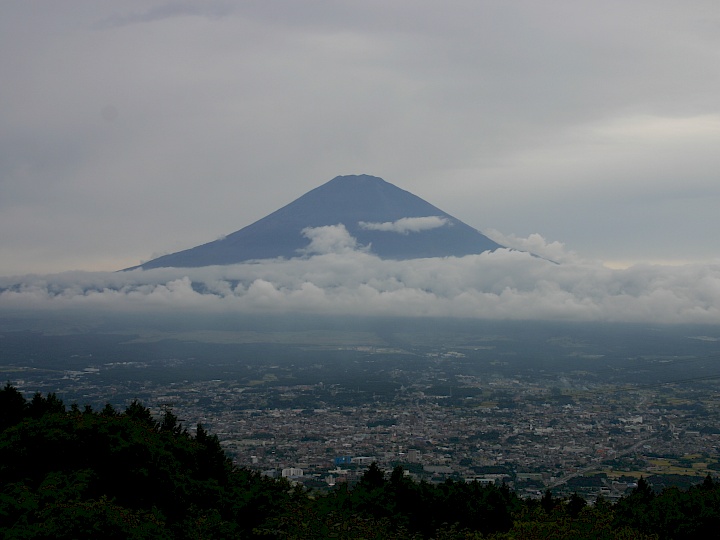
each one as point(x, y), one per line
point(329, 239)
point(406, 225)
point(338, 279)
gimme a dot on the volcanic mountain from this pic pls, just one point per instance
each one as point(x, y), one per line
point(384, 219)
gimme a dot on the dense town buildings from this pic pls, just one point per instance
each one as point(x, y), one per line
point(568, 407)
point(565, 434)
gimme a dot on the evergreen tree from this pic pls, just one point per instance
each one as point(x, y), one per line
point(12, 406)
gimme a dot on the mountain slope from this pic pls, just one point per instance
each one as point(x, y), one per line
point(368, 207)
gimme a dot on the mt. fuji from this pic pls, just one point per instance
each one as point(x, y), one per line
point(381, 218)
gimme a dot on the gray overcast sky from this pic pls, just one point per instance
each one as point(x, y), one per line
point(129, 129)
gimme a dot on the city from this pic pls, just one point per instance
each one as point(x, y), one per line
point(320, 414)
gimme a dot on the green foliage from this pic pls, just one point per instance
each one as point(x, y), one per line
point(673, 513)
point(73, 474)
point(420, 508)
point(589, 524)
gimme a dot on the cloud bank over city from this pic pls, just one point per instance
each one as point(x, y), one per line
point(337, 278)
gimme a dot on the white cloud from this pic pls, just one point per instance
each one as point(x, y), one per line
point(329, 239)
point(406, 225)
point(536, 244)
point(505, 284)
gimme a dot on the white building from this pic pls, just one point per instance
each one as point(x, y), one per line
point(292, 472)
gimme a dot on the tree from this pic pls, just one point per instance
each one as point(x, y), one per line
point(141, 414)
point(547, 502)
point(575, 505)
point(635, 509)
point(40, 406)
point(373, 477)
point(12, 406)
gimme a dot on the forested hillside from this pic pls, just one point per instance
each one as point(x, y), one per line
point(79, 473)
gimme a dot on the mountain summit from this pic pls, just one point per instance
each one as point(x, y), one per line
point(384, 219)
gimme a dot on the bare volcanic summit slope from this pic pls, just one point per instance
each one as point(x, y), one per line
point(384, 219)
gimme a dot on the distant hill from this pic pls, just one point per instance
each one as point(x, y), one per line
point(384, 219)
